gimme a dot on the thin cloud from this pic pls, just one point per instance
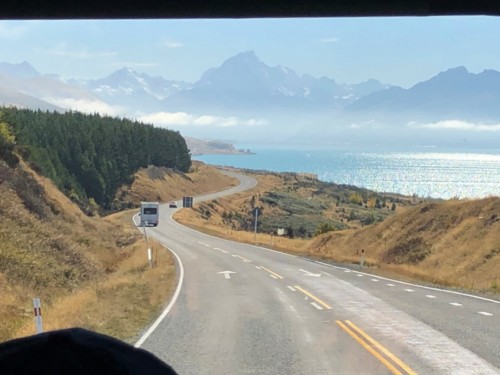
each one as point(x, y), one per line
point(364, 125)
point(12, 32)
point(85, 106)
point(459, 125)
point(62, 49)
point(132, 64)
point(172, 44)
point(329, 40)
point(186, 119)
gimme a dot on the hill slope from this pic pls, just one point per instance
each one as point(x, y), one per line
point(454, 243)
point(83, 268)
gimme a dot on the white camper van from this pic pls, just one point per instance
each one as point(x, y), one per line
point(150, 214)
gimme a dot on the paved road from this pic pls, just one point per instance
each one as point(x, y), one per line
point(242, 309)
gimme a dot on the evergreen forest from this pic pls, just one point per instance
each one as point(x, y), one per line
point(90, 156)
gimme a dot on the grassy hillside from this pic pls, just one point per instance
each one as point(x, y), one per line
point(81, 267)
point(84, 269)
point(163, 184)
point(301, 205)
point(89, 157)
point(454, 243)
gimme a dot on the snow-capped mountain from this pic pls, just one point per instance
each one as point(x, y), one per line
point(21, 85)
point(243, 82)
point(127, 88)
point(248, 98)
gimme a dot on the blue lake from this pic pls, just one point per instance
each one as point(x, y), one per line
point(426, 174)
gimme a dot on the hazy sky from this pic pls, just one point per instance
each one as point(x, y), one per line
point(400, 51)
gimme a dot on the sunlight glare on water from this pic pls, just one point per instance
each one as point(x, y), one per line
point(437, 175)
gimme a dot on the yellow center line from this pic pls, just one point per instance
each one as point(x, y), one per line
point(271, 272)
point(324, 304)
point(379, 346)
point(372, 351)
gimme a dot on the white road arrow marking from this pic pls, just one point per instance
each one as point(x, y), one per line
point(310, 273)
point(227, 274)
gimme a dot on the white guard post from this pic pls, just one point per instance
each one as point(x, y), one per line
point(38, 315)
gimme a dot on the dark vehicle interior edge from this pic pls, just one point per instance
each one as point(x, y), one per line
point(59, 9)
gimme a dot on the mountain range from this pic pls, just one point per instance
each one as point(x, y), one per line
point(245, 96)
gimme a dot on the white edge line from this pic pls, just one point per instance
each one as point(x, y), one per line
point(291, 288)
point(316, 305)
point(415, 285)
point(235, 242)
point(170, 305)
point(485, 313)
point(177, 290)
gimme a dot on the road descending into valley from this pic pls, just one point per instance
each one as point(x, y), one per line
point(243, 309)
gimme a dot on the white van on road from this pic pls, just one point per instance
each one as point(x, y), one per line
point(150, 214)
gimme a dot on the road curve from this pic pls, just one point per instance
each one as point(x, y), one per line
point(242, 309)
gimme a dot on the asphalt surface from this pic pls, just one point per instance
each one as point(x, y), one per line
point(242, 309)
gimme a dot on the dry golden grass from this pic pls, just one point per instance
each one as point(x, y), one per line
point(163, 185)
point(88, 271)
point(452, 243)
point(92, 272)
point(216, 226)
point(121, 304)
point(461, 240)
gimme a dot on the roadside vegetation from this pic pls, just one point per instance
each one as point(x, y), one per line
point(89, 271)
point(92, 271)
point(89, 157)
point(454, 243)
point(300, 206)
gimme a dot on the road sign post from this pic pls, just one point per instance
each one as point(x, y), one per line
point(187, 202)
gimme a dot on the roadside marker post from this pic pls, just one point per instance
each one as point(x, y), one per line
point(37, 307)
point(150, 254)
point(256, 212)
